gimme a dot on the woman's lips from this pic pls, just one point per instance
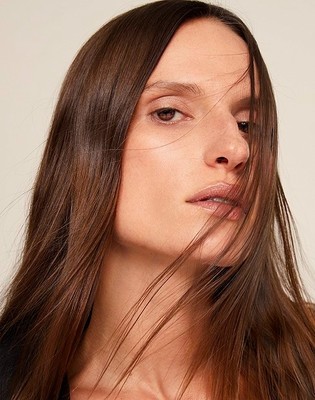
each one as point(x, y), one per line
point(221, 199)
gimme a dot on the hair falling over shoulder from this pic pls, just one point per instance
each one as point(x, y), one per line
point(259, 335)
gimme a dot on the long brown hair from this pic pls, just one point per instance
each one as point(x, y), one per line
point(258, 328)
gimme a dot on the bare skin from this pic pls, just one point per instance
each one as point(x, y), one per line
point(176, 140)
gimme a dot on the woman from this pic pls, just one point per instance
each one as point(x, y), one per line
point(159, 260)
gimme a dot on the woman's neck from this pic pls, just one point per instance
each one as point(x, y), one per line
point(124, 320)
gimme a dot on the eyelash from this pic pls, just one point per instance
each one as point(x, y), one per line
point(243, 126)
point(166, 110)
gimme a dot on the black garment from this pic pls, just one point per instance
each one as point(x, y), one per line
point(8, 359)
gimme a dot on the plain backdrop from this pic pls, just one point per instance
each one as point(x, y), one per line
point(39, 39)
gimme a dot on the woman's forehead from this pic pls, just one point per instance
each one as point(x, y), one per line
point(204, 52)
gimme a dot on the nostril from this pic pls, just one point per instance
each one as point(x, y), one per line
point(222, 160)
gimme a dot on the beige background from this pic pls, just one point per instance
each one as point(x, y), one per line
point(38, 40)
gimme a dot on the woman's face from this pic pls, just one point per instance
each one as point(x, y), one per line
point(186, 147)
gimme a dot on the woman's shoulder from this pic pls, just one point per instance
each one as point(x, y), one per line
point(9, 355)
point(8, 359)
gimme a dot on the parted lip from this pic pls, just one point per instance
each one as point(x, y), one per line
point(220, 191)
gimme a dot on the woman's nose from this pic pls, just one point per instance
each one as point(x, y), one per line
point(228, 148)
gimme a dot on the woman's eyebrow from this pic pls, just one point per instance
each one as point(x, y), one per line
point(177, 87)
point(246, 102)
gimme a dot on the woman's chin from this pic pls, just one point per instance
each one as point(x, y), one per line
point(220, 254)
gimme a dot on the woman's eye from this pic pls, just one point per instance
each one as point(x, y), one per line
point(167, 115)
point(243, 126)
